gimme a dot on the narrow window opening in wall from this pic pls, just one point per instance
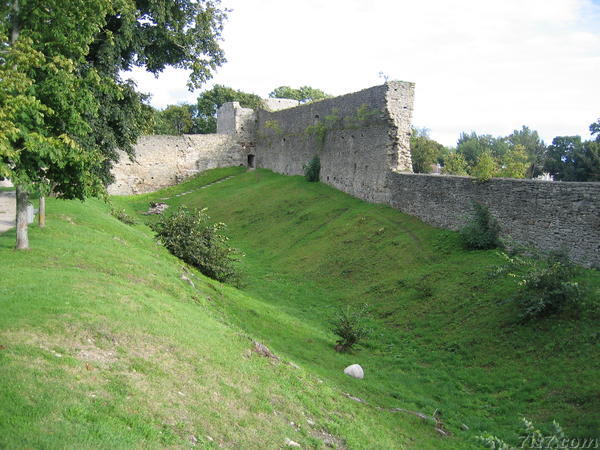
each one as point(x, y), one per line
point(251, 161)
point(316, 116)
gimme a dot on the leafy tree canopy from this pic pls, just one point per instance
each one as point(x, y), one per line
point(486, 167)
point(515, 163)
point(472, 146)
point(532, 145)
point(64, 108)
point(455, 164)
point(175, 120)
point(155, 34)
point(45, 98)
point(304, 94)
point(595, 129)
point(425, 152)
point(73, 70)
point(570, 159)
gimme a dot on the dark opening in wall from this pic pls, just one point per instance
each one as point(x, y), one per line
point(251, 161)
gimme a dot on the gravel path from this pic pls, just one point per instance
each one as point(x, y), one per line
point(7, 210)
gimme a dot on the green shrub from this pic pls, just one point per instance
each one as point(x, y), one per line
point(482, 232)
point(121, 215)
point(189, 235)
point(312, 170)
point(545, 282)
point(349, 325)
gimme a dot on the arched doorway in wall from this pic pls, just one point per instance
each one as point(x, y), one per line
point(251, 161)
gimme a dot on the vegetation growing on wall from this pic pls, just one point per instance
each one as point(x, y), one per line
point(273, 125)
point(312, 170)
point(304, 94)
point(363, 116)
point(482, 232)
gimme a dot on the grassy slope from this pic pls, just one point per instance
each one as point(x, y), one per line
point(102, 344)
point(443, 338)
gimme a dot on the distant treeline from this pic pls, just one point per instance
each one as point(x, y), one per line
point(522, 154)
point(201, 117)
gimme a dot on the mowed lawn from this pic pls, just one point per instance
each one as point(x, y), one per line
point(444, 339)
point(103, 344)
point(106, 340)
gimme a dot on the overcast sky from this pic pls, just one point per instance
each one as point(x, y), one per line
point(482, 65)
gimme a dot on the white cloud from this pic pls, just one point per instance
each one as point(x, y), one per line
point(477, 64)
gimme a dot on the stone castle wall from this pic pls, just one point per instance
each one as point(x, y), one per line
point(163, 161)
point(362, 140)
point(547, 215)
point(359, 138)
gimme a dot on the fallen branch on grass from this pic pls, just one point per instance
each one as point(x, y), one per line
point(439, 425)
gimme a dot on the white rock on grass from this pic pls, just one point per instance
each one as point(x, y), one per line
point(355, 371)
point(291, 443)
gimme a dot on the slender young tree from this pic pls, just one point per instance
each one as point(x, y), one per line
point(43, 99)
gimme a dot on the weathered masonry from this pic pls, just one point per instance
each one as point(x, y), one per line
point(362, 140)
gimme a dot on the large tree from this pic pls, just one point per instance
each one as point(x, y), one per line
point(595, 129)
point(562, 158)
point(571, 159)
point(472, 146)
point(152, 34)
point(175, 120)
point(64, 108)
point(533, 146)
point(44, 98)
point(425, 152)
point(515, 163)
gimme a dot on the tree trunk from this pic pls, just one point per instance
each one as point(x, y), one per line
point(22, 202)
point(15, 28)
point(42, 212)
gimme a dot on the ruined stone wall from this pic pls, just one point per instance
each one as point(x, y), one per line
point(237, 121)
point(166, 160)
point(359, 138)
point(363, 143)
point(545, 214)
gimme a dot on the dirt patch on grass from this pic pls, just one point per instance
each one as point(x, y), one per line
point(96, 355)
point(80, 346)
point(66, 218)
point(329, 439)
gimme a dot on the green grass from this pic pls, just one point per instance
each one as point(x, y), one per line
point(444, 338)
point(102, 344)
